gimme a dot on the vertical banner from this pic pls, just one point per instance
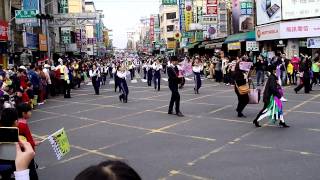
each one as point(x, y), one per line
point(181, 13)
point(43, 42)
point(151, 37)
point(188, 14)
point(212, 7)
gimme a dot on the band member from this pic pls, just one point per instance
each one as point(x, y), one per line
point(104, 71)
point(149, 72)
point(197, 68)
point(131, 69)
point(144, 67)
point(174, 81)
point(157, 67)
point(95, 75)
point(121, 73)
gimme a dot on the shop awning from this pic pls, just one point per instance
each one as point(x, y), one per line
point(247, 36)
point(191, 46)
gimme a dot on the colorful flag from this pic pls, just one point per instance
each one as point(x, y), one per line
point(60, 143)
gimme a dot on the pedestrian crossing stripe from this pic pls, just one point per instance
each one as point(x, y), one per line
point(188, 79)
point(144, 80)
point(165, 79)
point(134, 81)
point(111, 82)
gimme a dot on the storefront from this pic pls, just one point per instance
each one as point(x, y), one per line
point(237, 43)
point(290, 37)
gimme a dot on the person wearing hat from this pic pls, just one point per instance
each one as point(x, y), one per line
point(174, 81)
point(272, 104)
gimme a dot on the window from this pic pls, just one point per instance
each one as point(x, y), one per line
point(171, 15)
point(170, 28)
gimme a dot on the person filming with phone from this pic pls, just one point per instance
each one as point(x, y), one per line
point(9, 138)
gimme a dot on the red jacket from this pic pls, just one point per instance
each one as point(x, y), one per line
point(25, 131)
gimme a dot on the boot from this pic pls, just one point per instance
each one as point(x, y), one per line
point(256, 123)
point(283, 124)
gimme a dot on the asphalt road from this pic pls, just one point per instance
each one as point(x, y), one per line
point(210, 142)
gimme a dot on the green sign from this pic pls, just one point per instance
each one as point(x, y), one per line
point(169, 2)
point(63, 6)
point(22, 14)
point(187, 35)
point(199, 36)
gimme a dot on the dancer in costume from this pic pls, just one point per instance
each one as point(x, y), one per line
point(272, 104)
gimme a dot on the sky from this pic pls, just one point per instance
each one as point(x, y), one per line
point(122, 15)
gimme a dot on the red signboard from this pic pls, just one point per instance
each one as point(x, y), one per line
point(3, 31)
point(212, 2)
point(212, 10)
point(151, 29)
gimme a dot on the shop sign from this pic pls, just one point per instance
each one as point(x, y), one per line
point(26, 16)
point(234, 46)
point(252, 46)
point(300, 9)
point(209, 19)
point(43, 42)
point(313, 42)
point(300, 29)
point(268, 32)
point(169, 2)
point(3, 31)
point(171, 44)
point(32, 41)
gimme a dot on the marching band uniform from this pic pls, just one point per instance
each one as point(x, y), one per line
point(104, 71)
point(122, 73)
point(197, 68)
point(157, 67)
point(174, 81)
point(95, 75)
point(144, 67)
point(149, 72)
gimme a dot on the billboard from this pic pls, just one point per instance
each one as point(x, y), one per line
point(293, 9)
point(268, 11)
point(313, 43)
point(235, 15)
point(300, 29)
point(181, 13)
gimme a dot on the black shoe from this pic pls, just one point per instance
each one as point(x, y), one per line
point(296, 91)
point(241, 115)
point(170, 112)
point(256, 123)
point(125, 100)
point(121, 98)
point(194, 89)
point(283, 124)
point(179, 114)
